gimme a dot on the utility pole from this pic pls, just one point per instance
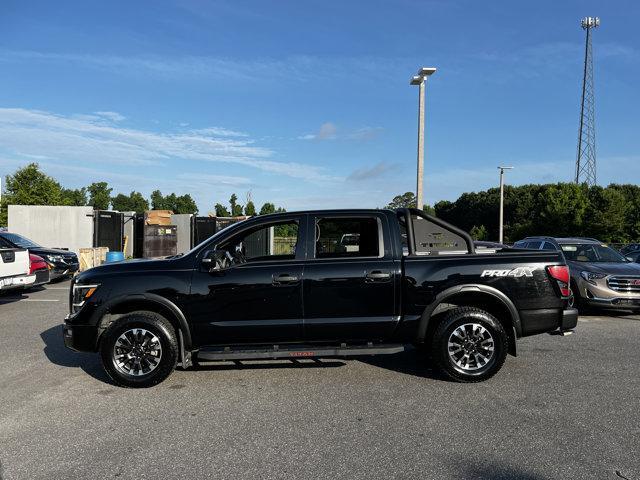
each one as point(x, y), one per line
point(420, 80)
point(586, 157)
point(501, 222)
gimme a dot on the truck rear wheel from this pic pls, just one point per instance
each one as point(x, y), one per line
point(139, 350)
point(469, 345)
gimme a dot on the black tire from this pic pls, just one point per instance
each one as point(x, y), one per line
point(491, 333)
point(158, 327)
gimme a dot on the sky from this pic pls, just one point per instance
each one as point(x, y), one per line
point(307, 104)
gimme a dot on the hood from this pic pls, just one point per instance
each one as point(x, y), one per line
point(51, 251)
point(128, 266)
point(608, 268)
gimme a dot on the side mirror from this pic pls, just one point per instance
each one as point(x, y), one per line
point(630, 259)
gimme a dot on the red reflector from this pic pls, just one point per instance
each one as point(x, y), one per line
point(561, 274)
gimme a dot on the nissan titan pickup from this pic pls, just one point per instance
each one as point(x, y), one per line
point(332, 283)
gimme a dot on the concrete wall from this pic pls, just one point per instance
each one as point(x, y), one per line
point(53, 226)
point(183, 222)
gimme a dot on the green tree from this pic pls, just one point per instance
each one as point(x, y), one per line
point(185, 204)
point(74, 197)
point(99, 195)
point(406, 200)
point(605, 215)
point(29, 186)
point(157, 200)
point(236, 208)
point(134, 202)
point(479, 233)
point(221, 210)
point(267, 208)
point(250, 209)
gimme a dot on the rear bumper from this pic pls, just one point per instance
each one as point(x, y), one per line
point(18, 281)
point(569, 319)
point(547, 320)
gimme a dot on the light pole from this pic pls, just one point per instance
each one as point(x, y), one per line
point(420, 80)
point(502, 169)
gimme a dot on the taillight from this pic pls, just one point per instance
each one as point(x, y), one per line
point(35, 263)
point(560, 273)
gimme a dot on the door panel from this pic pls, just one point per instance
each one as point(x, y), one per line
point(341, 303)
point(247, 304)
point(259, 298)
point(350, 277)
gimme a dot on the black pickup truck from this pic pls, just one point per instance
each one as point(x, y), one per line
point(319, 284)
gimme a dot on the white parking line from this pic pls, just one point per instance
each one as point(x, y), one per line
point(56, 288)
point(39, 300)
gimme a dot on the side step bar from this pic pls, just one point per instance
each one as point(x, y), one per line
point(297, 351)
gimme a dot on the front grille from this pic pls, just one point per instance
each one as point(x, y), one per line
point(625, 284)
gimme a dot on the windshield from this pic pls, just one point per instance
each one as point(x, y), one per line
point(19, 240)
point(592, 253)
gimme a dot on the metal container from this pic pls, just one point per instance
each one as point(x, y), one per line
point(159, 241)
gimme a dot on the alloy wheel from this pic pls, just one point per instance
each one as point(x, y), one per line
point(470, 346)
point(137, 352)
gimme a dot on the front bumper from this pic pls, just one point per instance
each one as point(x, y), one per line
point(600, 295)
point(59, 270)
point(81, 338)
point(616, 302)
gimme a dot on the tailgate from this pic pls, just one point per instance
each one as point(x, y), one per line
point(14, 261)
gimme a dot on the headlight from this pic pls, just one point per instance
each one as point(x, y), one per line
point(55, 258)
point(592, 276)
point(81, 293)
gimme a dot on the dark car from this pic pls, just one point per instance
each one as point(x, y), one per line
point(600, 275)
point(631, 248)
point(242, 294)
point(633, 256)
point(62, 263)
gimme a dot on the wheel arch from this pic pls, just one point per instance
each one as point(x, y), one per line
point(485, 297)
point(118, 307)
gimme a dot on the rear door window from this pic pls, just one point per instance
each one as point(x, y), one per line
point(533, 245)
point(345, 237)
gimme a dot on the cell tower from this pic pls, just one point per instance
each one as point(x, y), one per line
point(586, 158)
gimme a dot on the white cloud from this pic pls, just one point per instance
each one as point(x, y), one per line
point(293, 67)
point(90, 140)
point(113, 116)
point(367, 173)
point(327, 131)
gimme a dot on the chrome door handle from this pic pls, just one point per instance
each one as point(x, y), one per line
point(284, 278)
point(378, 275)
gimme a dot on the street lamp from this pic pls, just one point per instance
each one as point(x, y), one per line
point(502, 169)
point(420, 80)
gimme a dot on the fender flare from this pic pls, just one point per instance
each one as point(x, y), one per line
point(476, 288)
point(184, 330)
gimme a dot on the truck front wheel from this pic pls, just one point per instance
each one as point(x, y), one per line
point(139, 350)
point(469, 345)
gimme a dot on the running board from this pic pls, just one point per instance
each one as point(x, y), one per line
point(297, 351)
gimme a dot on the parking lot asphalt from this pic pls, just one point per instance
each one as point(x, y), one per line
point(565, 408)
